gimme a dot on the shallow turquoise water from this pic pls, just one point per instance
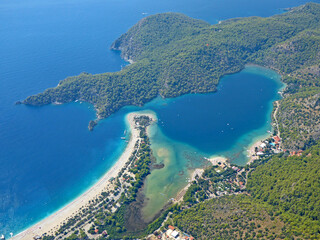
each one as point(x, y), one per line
point(47, 155)
point(192, 127)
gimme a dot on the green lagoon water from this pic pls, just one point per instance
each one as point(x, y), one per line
point(179, 160)
point(48, 156)
point(192, 127)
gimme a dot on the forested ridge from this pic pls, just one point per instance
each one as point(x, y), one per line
point(281, 201)
point(174, 55)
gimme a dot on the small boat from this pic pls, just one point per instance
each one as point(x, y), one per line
point(123, 138)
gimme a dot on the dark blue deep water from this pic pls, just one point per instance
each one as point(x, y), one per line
point(47, 155)
point(225, 122)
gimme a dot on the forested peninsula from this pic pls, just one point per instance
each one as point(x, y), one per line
point(174, 54)
point(274, 197)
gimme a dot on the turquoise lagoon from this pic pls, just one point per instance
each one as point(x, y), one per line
point(192, 127)
point(47, 155)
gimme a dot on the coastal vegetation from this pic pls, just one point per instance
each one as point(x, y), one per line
point(290, 186)
point(115, 214)
point(280, 201)
point(299, 117)
point(215, 181)
point(174, 55)
point(229, 217)
point(276, 196)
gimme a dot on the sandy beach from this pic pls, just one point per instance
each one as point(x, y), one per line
point(251, 149)
point(52, 222)
point(252, 153)
point(217, 159)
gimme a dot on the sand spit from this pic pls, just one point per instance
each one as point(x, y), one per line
point(52, 223)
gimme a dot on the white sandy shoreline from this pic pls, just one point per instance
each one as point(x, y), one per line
point(250, 151)
point(255, 143)
point(52, 222)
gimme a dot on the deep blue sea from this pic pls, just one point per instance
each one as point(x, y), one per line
point(47, 155)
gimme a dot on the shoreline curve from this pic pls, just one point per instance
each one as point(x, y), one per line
point(53, 221)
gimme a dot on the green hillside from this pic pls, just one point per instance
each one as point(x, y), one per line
point(282, 202)
point(174, 55)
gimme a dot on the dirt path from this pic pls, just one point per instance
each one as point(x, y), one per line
point(275, 118)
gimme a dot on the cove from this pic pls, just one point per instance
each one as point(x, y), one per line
point(192, 127)
point(48, 157)
point(189, 128)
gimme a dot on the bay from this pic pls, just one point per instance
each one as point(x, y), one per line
point(192, 127)
point(47, 155)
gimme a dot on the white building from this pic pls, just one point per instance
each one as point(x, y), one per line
point(263, 145)
point(175, 234)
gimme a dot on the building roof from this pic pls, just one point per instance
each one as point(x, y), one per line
point(263, 145)
point(171, 227)
point(276, 138)
point(174, 234)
